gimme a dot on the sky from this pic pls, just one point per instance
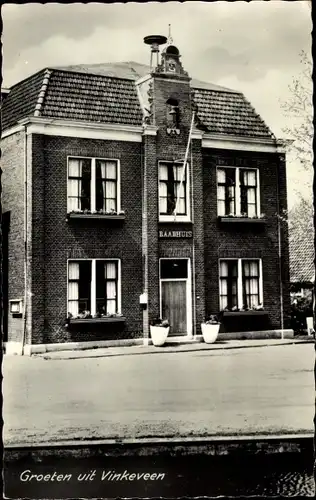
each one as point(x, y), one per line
point(253, 46)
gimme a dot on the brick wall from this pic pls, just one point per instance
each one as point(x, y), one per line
point(12, 163)
point(246, 240)
point(61, 240)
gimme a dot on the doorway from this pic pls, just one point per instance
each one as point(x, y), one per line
point(175, 295)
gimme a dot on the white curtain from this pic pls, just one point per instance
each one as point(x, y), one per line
point(110, 274)
point(251, 201)
point(163, 192)
point(110, 195)
point(103, 173)
point(223, 269)
point(73, 288)
point(252, 284)
point(110, 270)
point(111, 185)
point(178, 172)
point(221, 200)
point(162, 197)
point(250, 178)
point(74, 185)
point(111, 170)
point(223, 285)
point(180, 191)
point(221, 176)
point(163, 172)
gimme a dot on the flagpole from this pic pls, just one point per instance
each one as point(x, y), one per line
point(184, 164)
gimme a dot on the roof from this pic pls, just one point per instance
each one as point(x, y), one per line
point(21, 100)
point(229, 113)
point(106, 93)
point(301, 242)
point(95, 98)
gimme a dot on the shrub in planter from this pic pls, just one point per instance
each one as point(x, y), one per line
point(210, 329)
point(301, 309)
point(159, 330)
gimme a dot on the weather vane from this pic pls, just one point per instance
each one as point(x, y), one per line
point(170, 39)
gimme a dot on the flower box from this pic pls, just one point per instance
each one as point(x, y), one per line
point(252, 220)
point(106, 319)
point(82, 215)
point(251, 312)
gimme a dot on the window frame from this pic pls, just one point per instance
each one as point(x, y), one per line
point(238, 212)
point(179, 217)
point(240, 289)
point(93, 160)
point(93, 291)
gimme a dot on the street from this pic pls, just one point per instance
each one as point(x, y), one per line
point(260, 390)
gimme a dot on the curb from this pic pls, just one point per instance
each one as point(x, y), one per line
point(164, 440)
point(169, 350)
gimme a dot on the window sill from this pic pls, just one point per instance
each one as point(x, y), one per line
point(244, 313)
point(252, 220)
point(173, 219)
point(95, 216)
point(81, 321)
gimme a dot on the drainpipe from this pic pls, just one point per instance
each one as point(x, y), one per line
point(193, 270)
point(25, 241)
point(280, 256)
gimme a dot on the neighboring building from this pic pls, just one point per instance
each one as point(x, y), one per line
point(302, 250)
point(92, 160)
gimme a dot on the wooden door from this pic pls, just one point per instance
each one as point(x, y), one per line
point(174, 305)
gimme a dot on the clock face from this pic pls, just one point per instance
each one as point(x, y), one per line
point(171, 66)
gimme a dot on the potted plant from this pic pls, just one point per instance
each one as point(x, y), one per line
point(210, 329)
point(159, 330)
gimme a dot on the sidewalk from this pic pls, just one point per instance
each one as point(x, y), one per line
point(169, 348)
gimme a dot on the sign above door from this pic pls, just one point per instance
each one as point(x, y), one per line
point(174, 233)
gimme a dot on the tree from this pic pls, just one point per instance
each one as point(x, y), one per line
point(299, 111)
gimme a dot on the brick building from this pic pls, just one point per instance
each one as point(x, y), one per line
point(132, 192)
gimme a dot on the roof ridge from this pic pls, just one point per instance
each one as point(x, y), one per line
point(78, 72)
point(42, 92)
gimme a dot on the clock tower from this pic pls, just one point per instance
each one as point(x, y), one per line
point(170, 62)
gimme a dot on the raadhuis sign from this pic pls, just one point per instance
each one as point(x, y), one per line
point(174, 233)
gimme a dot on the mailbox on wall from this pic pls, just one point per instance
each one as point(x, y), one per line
point(16, 307)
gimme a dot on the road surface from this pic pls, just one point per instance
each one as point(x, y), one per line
point(261, 390)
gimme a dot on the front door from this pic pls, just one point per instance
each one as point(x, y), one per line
point(174, 289)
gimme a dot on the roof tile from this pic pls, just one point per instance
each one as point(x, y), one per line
point(106, 93)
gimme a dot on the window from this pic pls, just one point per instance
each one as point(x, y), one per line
point(93, 286)
point(173, 194)
point(238, 192)
point(93, 185)
point(240, 284)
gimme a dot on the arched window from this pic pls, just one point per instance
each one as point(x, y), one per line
point(173, 115)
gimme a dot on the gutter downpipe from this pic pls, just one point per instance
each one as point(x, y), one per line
point(193, 270)
point(25, 241)
point(280, 255)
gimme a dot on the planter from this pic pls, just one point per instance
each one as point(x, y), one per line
point(159, 335)
point(209, 332)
